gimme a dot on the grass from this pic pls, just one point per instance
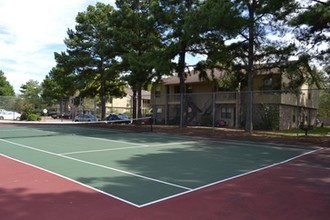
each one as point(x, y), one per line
point(316, 132)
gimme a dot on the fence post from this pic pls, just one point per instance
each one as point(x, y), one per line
point(213, 109)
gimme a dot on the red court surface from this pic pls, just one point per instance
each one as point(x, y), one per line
point(299, 189)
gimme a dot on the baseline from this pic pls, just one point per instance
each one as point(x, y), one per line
point(231, 178)
point(70, 179)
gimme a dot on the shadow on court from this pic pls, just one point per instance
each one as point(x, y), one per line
point(140, 174)
point(297, 190)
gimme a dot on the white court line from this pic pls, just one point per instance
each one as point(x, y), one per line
point(72, 180)
point(231, 178)
point(98, 165)
point(126, 148)
point(189, 190)
point(121, 142)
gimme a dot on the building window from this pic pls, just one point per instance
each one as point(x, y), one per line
point(157, 92)
point(309, 95)
point(226, 112)
point(146, 101)
point(177, 89)
point(268, 83)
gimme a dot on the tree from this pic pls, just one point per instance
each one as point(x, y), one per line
point(187, 30)
point(257, 42)
point(91, 56)
point(312, 29)
point(172, 17)
point(313, 21)
point(136, 40)
point(324, 107)
point(30, 100)
point(7, 94)
point(257, 22)
point(214, 24)
point(5, 88)
point(59, 85)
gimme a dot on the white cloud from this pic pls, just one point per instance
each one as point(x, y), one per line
point(31, 31)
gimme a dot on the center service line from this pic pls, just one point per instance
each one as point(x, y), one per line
point(98, 165)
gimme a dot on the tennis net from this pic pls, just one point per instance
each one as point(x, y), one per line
point(24, 129)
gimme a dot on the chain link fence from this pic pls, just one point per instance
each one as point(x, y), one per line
point(271, 110)
point(69, 108)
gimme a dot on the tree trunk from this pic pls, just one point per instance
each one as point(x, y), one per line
point(250, 71)
point(139, 102)
point(103, 94)
point(134, 115)
point(183, 99)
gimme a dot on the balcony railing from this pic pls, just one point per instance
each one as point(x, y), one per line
point(263, 97)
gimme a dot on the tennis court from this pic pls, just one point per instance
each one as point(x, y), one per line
point(138, 168)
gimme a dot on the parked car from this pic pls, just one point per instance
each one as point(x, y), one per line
point(85, 117)
point(52, 114)
point(9, 115)
point(118, 118)
point(64, 116)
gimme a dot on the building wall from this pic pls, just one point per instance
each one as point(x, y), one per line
point(231, 106)
point(289, 117)
point(125, 105)
point(119, 105)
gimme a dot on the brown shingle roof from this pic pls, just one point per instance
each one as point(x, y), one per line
point(193, 77)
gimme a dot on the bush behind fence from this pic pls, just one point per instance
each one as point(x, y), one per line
point(271, 109)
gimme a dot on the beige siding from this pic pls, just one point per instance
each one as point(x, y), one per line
point(203, 101)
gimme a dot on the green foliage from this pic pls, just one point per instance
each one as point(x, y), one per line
point(206, 120)
point(5, 88)
point(24, 116)
point(137, 39)
point(90, 63)
point(316, 132)
point(28, 114)
point(313, 27)
point(324, 107)
point(222, 19)
point(196, 28)
point(141, 41)
point(269, 117)
point(30, 117)
point(316, 17)
point(29, 100)
point(299, 73)
point(59, 83)
point(254, 45)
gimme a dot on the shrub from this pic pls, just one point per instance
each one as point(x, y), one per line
point(33, 117)
point(270, 117)
point(28, 116)
point(206, 120)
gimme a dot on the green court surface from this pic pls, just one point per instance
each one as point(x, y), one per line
point(138, 168)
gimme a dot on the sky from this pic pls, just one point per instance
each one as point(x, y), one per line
point(31, 31)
